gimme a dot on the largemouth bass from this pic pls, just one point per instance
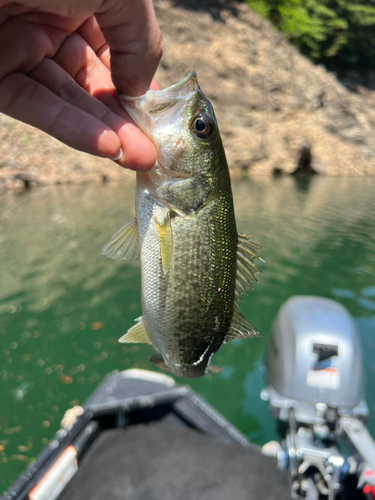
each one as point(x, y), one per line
point(194, 264)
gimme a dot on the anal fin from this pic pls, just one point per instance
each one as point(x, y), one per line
point(124, 245)
point(157, 360)
point(240, 328)
point(214, 369)
point(137, 334)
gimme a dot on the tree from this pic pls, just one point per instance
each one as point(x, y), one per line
point(337, 32)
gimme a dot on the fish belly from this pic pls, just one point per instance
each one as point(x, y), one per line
point(188, 310)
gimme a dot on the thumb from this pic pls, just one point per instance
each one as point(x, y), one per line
point(133, 35)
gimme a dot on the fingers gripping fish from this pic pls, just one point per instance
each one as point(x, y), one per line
point(194, 264)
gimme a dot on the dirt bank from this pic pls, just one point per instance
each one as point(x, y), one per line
point(269, 101)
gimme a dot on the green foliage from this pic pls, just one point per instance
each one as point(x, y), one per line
point(260, 7)
point(339, 33)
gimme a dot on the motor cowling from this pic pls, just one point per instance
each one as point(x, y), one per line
point(314, 357)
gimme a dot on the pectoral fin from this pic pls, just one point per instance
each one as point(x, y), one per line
point(137, 334)
point(124, 245)
point(240, 328)
point(164, 228)
point(176, 205)
point(185, 196)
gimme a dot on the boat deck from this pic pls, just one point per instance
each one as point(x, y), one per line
point(140, 437)
point(165, 461)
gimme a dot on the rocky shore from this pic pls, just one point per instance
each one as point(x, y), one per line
point(270, 101)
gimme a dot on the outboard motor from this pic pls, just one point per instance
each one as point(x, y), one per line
point(315, 389)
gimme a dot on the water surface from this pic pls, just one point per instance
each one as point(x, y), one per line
point(63, 306)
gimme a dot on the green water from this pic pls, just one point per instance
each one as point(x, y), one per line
point(63, 306)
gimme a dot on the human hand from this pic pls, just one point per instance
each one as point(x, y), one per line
point(61, 61)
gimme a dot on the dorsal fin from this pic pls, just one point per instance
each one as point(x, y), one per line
point(124, 245)
point(246, 269)
point(137, 334)
point(240, 328)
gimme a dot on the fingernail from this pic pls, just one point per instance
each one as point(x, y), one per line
point(118, 157)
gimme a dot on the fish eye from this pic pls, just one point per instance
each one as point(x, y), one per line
point(202, 126)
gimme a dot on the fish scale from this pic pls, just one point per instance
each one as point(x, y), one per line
point(194, 265)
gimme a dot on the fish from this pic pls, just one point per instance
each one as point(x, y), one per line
point(195, 266)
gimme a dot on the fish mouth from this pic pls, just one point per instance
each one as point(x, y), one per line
point(183, 88)
point(155, 102)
